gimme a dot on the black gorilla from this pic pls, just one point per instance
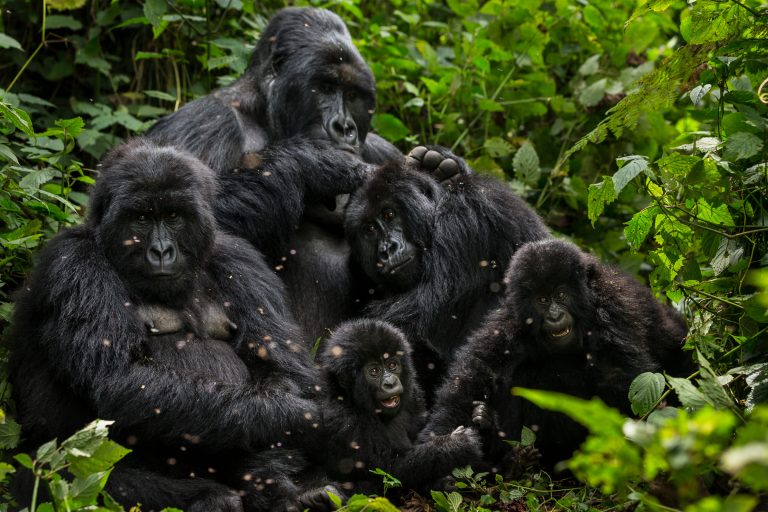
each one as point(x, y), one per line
point(101, 330)
point(436, 251)
point(375, 410)
point(290, 133)
point(567, 323)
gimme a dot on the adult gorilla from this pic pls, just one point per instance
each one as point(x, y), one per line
point(93, 335)
point(305, 79)
point(436, 243)
point(567, 323)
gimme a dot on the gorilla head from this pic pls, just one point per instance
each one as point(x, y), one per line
point(389, 225)
point(369, 362)
point(149, 211)
point(312, 79)
point(547, 282)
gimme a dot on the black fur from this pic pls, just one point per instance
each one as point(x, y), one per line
point(619, 331)
point(305, 79)
point(361, 436)
point(463, 233)
point(82, 348)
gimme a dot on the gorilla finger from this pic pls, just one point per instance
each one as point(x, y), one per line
point(458, 430)
point(431, 160)
point(447, 169)
point(418, 153)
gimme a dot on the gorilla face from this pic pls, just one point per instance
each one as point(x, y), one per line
point(383, 378)
point(386, 252)
point(557, 323)
point(151, 218)
point(313, 79)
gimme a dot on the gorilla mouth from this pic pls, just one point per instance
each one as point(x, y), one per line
point(397, 266)
point(391, 402)
point(561, 334)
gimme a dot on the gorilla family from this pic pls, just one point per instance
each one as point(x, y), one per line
point(150, 316)
point(566, 323)
point(306, 81)
point(435, 238)
point(374, 410)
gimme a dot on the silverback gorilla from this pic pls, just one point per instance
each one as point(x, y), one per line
point(436, 250)
point(375, 410)
point(287, 134)
point(148, 316)
point(566, 323)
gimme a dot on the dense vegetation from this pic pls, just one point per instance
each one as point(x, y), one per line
point(639, 129)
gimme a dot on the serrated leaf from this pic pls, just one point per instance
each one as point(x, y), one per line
point(154, 10)
point(7, 41)
point(593, 94)
point(10, 432)
point(105, 456)
point(729, 252)
point(32, 180)
point(634, 165)
point(526, 164)
point(698, 93)
point(85, 490)
point(527, 437)
point(600, 195)
point(389, 127)
point(742, 145)
point(18, 118)
point(689, 396)
point(593, 414)
point(5, 470)
point(590, 66)
point(496, 147)
point(715, 215)
point(8, 154)
point(45, 451)
point(639, 226)
point(489, 105)
point(645, 391)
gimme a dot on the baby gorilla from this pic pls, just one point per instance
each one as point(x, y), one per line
point(375, 410)
point(567, 323)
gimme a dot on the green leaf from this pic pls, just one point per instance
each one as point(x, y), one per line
point(463, 8)
point(489, 105)
point(389, 127)
point(639, 226)
point(742, 145)
point(527, 436)
point(590, 66)
point(85, 490)
point(8, 154)
point(593, 94)
point(7, 41)
point(698, 93)
point(689, 396)
point(18, 118)
point(45, 451)
point(715, 215)
point(24, 459)
point(526, 164)
point(635, 164)
point(104, 458)
point(496, 147)
point(10, 432)
point(729, 252)
point(62, 21)
point(5, 470)
point(85, 442)
point(645, 391)
point(154, 10)
point(593, 414)
point(600, 195)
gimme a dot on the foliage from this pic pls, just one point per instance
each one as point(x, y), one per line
point(639, 129)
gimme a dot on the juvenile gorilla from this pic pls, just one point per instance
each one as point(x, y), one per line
point(567, 323)
point(290, 133)
point(148, 316)
point(375, 410)
point(436, 251)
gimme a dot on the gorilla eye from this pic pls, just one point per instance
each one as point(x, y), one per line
point(141, 218)
point(392, 365)
point(388, 214)
point(374, 371)
point(370, 228)
point(172, 215)
point(561, 295)
point(351, 95)
point(542, 300)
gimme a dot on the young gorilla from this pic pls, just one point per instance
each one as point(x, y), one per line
point(93, 335)
point(436, 251)
point(291, 132)
point(375, 410)
point(567, 323)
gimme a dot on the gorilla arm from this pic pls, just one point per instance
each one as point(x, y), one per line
point(264, 204)
point(80, 311)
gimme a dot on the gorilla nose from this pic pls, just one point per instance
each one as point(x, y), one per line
point(343, 130)
point(388, 249)
point(161, 255)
